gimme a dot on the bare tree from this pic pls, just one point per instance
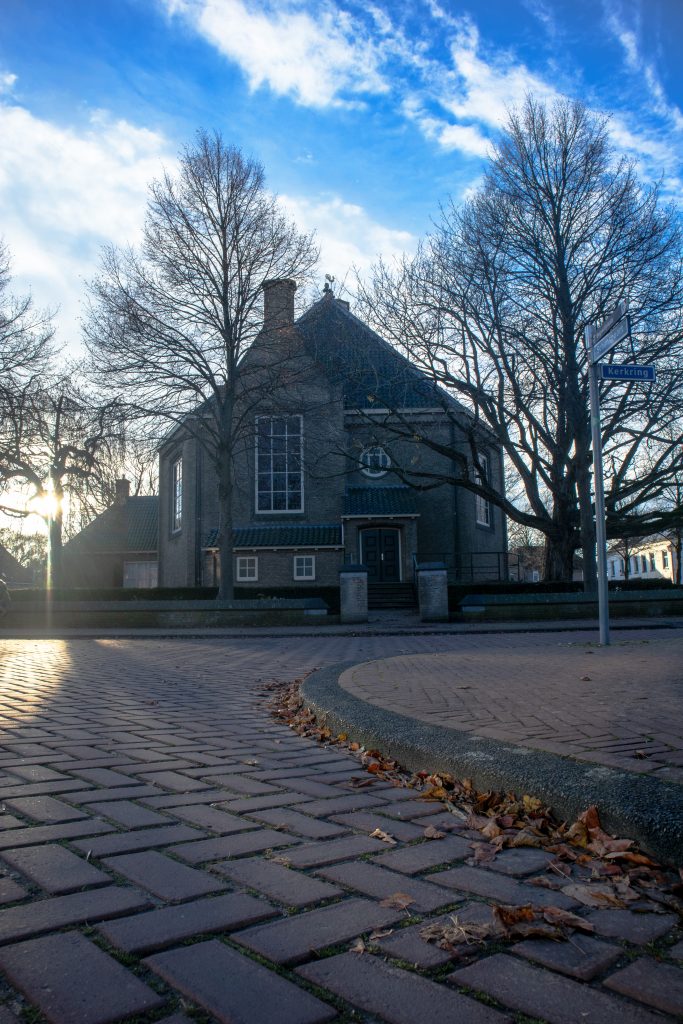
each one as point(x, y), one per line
point(170, 325)
point(55, 436)
point(494, 306)
point(25, 353)
point(134, 457)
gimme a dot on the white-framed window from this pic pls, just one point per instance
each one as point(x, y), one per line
point(247, 568)
point(482, 507)
point(279, 464)
point(652, 561)
point(643, 562)
point(140, 574)
point(374, 462)
point(634, 565)
point(177, 495)
point(304, 567)
point(665, 559)
point(612, 567)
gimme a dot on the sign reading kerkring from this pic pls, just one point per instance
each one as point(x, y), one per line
point(627, 371)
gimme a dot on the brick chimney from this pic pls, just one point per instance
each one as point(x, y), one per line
point(278, 303)
point(122, 491)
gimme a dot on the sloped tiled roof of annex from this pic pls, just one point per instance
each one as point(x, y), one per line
point(12, 569)
point(288, 535)
point(395, 500)
point(371, 371)
point(136, 530)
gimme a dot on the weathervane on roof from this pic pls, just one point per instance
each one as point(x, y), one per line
point(329, 280)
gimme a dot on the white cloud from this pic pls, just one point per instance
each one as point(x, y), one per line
point(348, 237)
point(486, 89)
point(317, 60)
point(66, 191)
point(7, 81)
point(628, 39)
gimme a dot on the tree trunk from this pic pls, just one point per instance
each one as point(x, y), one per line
point(226, 584)
point(559, 558)
point(54, 550)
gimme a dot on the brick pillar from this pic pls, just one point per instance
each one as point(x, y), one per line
point(353, 593)
point(432, 591)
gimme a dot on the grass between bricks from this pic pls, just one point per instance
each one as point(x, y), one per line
point(347, 1014)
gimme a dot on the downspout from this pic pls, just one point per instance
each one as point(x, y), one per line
point(198, 518)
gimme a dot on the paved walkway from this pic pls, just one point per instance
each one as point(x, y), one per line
point(168, 848)
point(620, 706)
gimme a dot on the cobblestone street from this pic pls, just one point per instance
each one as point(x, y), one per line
point(171, 852)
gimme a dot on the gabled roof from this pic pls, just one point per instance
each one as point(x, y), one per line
point(371, 372)
point(131, 526)
point(395, 500)
point(12, 569)
point(288, 535)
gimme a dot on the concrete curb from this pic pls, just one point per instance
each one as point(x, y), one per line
point(630, 805)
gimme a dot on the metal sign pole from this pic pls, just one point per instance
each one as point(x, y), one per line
point(600, 531)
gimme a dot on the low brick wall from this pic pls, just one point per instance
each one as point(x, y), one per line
point(534, 607)
point(166, 614)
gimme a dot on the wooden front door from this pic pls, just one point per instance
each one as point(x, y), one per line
point(380, 551)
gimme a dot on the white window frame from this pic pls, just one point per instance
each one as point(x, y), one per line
point(177, 495)
point(278, 511)
point(482, 507)
point(383, 458)
point(665, 559)
point(247, 569)
point(298, 574)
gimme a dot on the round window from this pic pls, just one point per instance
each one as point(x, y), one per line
point(374, 462)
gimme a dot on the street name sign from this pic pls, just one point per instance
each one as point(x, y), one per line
point(627, 371)
point(606, 343)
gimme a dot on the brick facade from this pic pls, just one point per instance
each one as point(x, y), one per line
point(338, 362)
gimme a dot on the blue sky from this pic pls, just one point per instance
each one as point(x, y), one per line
point(365, 115)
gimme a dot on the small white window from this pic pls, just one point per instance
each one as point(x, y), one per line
point(304, 567)
point(247, 569)
point(482, 507)
point(665, 559)
point(177, 495)
point(374, 462)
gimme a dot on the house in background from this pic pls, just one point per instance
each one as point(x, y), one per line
point(119, 548)
point(648, 558)
point(13, 572)
point(316, 481)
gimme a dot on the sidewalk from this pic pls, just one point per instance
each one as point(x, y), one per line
point(380, 623)
point(553, 714)
point(169, 852)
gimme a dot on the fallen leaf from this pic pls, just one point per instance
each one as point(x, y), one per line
point(513, 915)
point(433, 833)
point(484, 853)
point(376, 936)
point(593, 896)
point(398, 901)
point(384, 836)
point(434, 793)
point(452, 933)
point(565, 919)
point(358, 947)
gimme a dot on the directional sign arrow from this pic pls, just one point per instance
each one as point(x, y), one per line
point(606, 343)
point(609, 322)
point(627, 371)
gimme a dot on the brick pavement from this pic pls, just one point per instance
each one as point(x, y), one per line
point(619, 706)
point(169, 851)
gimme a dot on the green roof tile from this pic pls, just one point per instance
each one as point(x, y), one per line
point(289, 535)
point(133, 526)
point(396, 500)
